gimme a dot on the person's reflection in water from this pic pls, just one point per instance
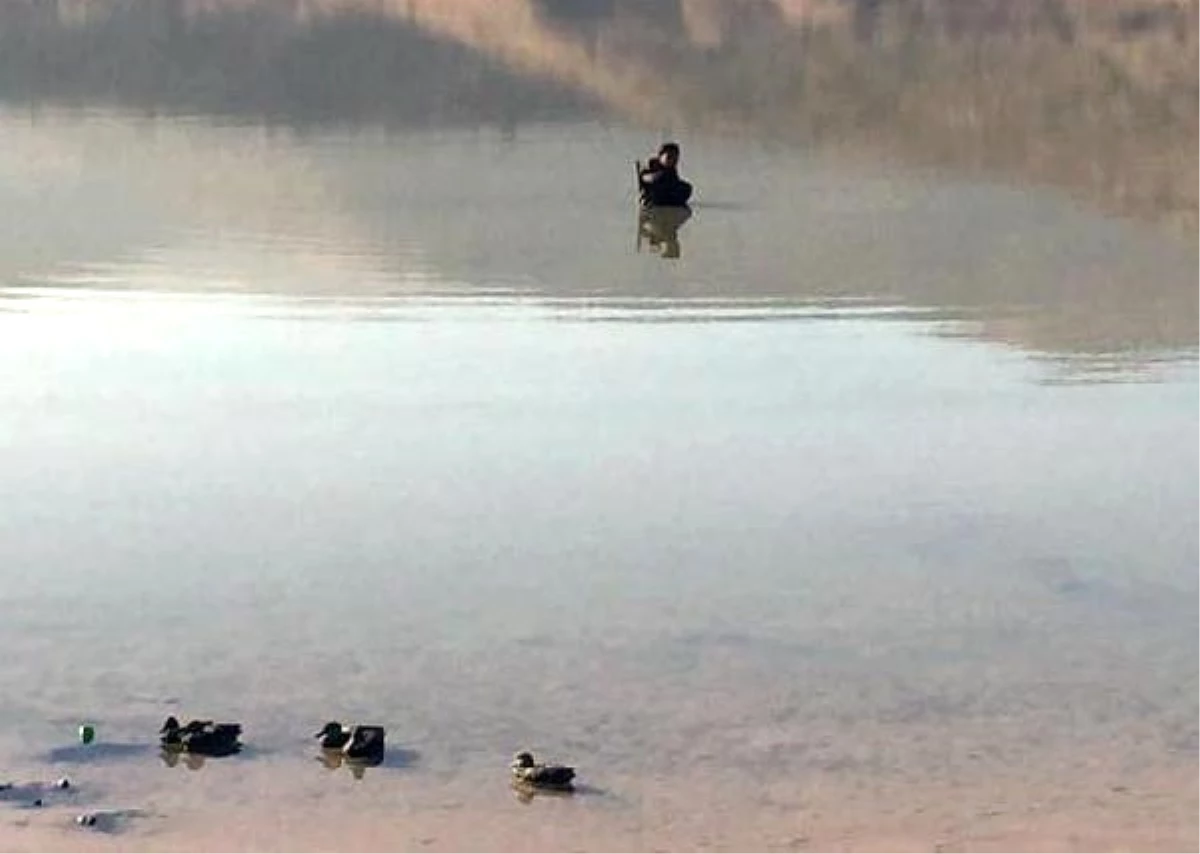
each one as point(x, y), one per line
point(659, 227)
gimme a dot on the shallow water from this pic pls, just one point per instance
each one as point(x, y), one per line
point(869, 521)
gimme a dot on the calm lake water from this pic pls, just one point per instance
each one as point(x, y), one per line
point(868, 521)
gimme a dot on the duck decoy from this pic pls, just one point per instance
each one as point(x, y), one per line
point(32, 794)
point(217, 740)
point(107, 820)
point(361, 743)
point(203, 738)
point(171, 733)
point(366, 745)
point(8, 789)
point(527, 772)
point(333, 736)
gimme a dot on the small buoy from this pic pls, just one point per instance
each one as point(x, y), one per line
point(87, 733)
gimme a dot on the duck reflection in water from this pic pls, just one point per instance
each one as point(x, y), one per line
point(526, 794)
point(333, 760)
point(659, 228)
point(191, 761)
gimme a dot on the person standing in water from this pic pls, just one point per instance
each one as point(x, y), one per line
point(659, 184)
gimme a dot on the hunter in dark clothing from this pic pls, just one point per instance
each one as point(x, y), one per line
point(659, 184)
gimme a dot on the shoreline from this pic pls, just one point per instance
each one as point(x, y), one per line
point(1085, 805)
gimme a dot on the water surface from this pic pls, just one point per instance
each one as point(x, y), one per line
point(869, 521)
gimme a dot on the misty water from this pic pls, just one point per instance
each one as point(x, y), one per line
point(883, 489)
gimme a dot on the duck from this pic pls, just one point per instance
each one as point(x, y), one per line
point(333, 736)
point(204, 738)
point(172, 735)
point(527, 772)
point(61, 783)
point(363, 743)
point(360, 743)
point(366, 744)
point(33, 794)
point(107, 820)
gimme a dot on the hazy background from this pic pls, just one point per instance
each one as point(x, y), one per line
point(1096, 97)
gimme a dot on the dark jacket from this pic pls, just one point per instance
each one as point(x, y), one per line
point(661, 186)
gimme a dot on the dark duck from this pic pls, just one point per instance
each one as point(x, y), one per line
point(203, 738)
point(361, 743)
point(527, 772)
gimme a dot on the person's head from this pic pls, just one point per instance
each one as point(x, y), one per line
point(668, 154)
